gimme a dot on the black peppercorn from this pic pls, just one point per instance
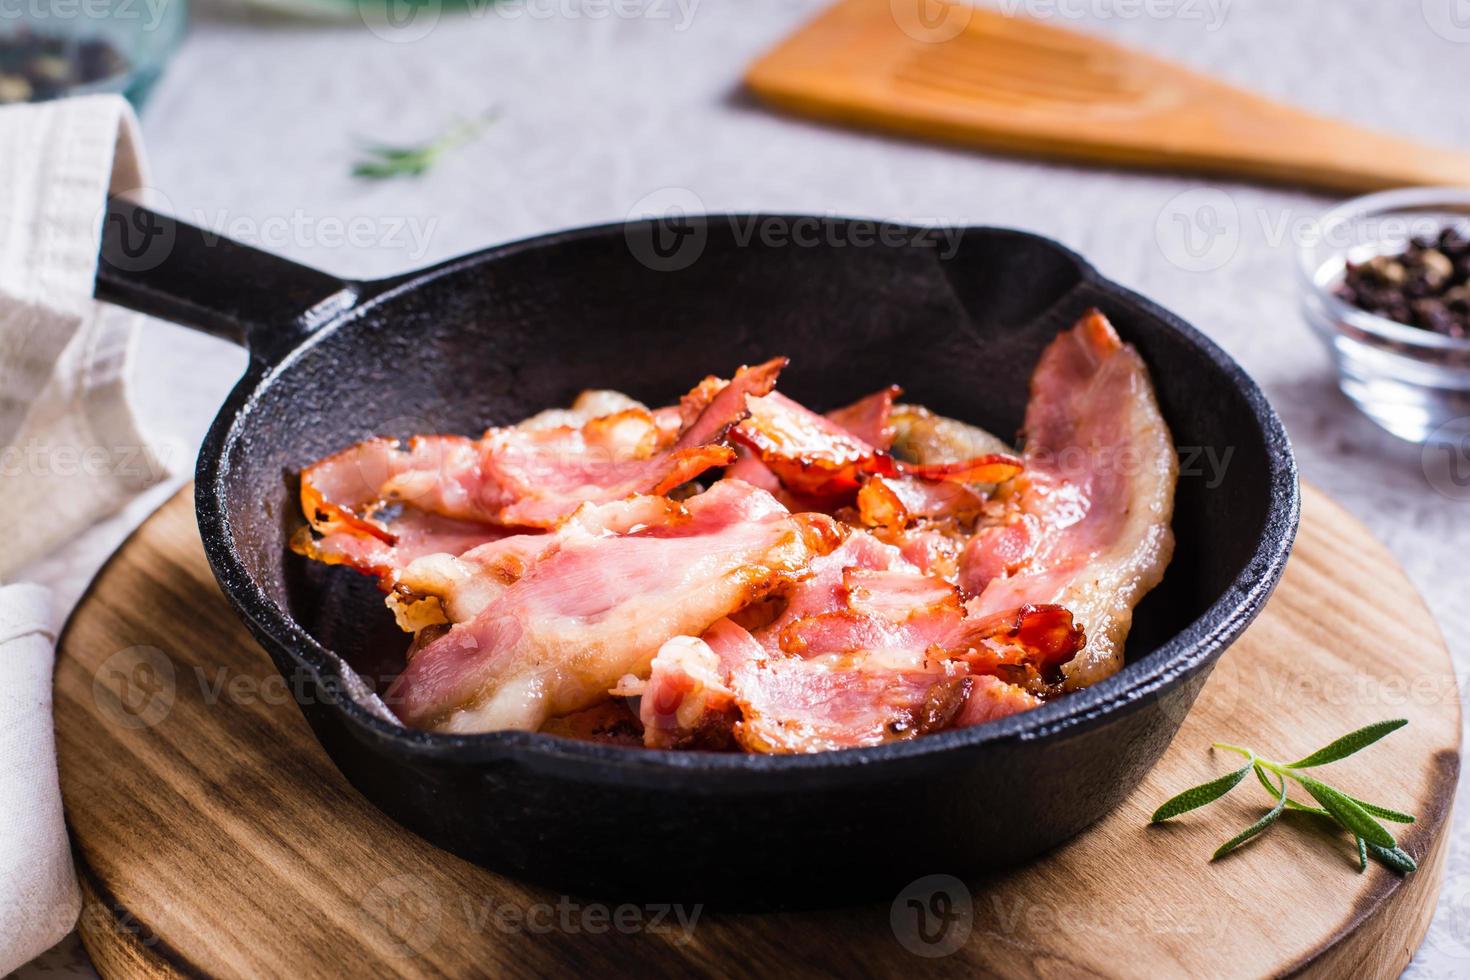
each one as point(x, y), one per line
point(1427, 285)
point(34, 67)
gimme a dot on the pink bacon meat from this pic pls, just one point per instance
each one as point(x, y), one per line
point(867, 650)
point(725, 688)
point(1088, 525)
point(598, 607)
point(817, 458)
point(519, 477)
point(547, 565)
point(870, 418)
point(405, 538)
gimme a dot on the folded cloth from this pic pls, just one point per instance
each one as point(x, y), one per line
point(38, 888)
point(70, 450)
point(70, 453)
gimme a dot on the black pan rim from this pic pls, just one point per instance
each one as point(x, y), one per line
point(1135, 686)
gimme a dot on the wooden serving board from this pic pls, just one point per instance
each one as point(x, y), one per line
point(213, 836)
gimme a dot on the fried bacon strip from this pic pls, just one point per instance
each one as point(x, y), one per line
point(897, 501)
point(865, 419)
point(537, 479)
point(686, 702)
point(1088, 523)
point(809, 453)
point(726, 688)
point(870, 418)
point(598, 606)
point(944, 485)
point(825, 589)
point(867, 650)
point(445, 588)
point(548, 565)
point(528, 476)
point(410, 535)
point(816, 457)
point(596, 403)
point(841, 701)
point(920, 436)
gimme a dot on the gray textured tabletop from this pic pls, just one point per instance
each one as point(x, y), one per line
point(253, 129)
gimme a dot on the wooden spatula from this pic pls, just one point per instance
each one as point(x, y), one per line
point(949, 71)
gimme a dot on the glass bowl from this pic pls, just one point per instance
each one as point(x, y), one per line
point(1413, 382)
point(51, 50)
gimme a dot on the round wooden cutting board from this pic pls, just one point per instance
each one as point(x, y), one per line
point(213, 836)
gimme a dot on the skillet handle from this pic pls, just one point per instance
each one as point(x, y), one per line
point(154, 264)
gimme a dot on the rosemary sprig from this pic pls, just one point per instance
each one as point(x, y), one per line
point(384, 162)
point(1358, 817)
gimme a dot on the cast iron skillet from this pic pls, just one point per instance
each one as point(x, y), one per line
point(649, 308)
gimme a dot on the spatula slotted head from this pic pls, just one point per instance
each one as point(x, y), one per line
point(950, 71)
point(1019, 65)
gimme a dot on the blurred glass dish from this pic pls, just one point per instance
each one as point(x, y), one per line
point(321, 9)
point(1411, 381)
point(389, 16)
point(50, 50)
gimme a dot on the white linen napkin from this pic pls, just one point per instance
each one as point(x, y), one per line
point(70, 454)
point(38, 889)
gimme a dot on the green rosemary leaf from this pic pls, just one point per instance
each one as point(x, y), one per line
point(1345, 811)
point(1266, 782)
point(1383, 812)
point(1276, 790)
point(398, 154)
point(1377, 811)
point(1396, 858)
point(1197, 796)
point(1304, 808)
point(385, 161)
point(1266, 820)
point(1355, 815)
point(381, 170)
point(1348, 744)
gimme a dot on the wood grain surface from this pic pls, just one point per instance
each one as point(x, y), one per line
point(214, 837)
point(960, 73)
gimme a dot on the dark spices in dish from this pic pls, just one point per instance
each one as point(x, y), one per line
point(1427, 285)
point(35, 67)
